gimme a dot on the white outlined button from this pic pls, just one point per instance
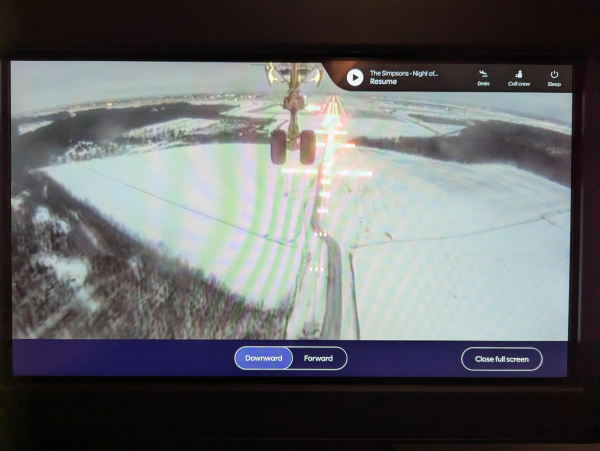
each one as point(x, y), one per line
point(501, 359)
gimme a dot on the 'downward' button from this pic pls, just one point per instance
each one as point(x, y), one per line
point(263, 358)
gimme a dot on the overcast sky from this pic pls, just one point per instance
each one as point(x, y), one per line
point(43, 85)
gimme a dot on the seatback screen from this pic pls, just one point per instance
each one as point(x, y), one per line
point(339, 219)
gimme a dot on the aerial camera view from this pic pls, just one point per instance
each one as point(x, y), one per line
point(260, 201)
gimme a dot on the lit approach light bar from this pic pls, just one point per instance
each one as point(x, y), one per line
point(299, 171)
point(358, 173)
point(346, 146)
point(334, 132)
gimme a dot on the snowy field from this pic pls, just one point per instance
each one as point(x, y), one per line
point(26, 128)
point(393, 128)
point(184, 126)
point(224, 208)
point(393, 117)
point(471, 252)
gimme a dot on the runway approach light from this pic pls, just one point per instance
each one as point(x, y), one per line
point(359, 173)
point(300, 171)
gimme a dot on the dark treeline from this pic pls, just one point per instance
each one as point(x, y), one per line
point(45, 117)
point(141, 292)
point(240, 129)
point(438, 120)
point(35, 149)
point(250, 135)
point(543, 152)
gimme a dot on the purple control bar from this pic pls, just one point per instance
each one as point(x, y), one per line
point(303, 358)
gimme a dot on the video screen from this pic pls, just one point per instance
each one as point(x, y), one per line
point(272, 202)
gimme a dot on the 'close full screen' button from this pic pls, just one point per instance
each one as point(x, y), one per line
point(501, 359)
point(263, 358)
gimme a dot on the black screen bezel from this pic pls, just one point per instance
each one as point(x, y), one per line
point(123, 412)
point(570, 380)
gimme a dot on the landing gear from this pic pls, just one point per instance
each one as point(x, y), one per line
point(308, 147)
point(294, 74)
point(278, 147)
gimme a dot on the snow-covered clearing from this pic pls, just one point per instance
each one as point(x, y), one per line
point(43, 217)
point(393, 128)
point(68, 269)
point(448, 251)
point(17, 202)
point(185, 125)
point(26, 128)
point(441, 250)
point(222, 207)
point(73, 271)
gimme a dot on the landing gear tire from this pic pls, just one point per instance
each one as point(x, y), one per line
point(308, 147)
point(278, 147)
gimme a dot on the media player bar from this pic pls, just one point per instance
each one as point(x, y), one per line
point(423, 77)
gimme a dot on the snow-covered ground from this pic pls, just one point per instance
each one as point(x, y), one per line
point(440, 250)
point(386, 118)
point(42, 216)
point(185, 126)
point(26, 128)
point(223, 207)
point(393, 128)
point(471, 252)
point(361, 107)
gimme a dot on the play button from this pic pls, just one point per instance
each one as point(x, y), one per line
point(355, 77)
